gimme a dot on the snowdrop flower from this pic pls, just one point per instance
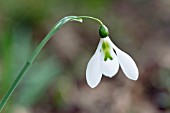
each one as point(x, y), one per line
point(106, 61)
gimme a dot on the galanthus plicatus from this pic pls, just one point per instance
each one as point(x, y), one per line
point(106, 61)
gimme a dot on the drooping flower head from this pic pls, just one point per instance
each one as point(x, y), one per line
point(106, 61)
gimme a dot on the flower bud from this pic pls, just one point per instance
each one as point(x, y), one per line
point(103, 31)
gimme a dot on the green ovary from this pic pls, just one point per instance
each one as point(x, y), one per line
point(106, 50)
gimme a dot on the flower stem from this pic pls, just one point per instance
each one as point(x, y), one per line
point(14, 85)
point(89, 17)
point(54, 29)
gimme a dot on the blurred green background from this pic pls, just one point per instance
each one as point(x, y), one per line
point(56, 83)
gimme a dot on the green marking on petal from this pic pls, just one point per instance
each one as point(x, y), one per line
point(106, 50)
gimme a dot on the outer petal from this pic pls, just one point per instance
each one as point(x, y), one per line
point(94, 68)
point(128, 65)
point(126, 62)
point(110, 67)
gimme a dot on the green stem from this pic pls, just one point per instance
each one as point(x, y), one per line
point(13, 86)
point(54, 29)
point(89, 17)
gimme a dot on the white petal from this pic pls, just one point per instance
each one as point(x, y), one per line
point(126, 62)
point(128, 65)
point(94, 69)
point(110, 67)
point(99, 46)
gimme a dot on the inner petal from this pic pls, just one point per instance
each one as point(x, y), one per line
point(110, 67)
point(106, 49)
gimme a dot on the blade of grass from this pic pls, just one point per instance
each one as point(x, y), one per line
point(54, 29)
